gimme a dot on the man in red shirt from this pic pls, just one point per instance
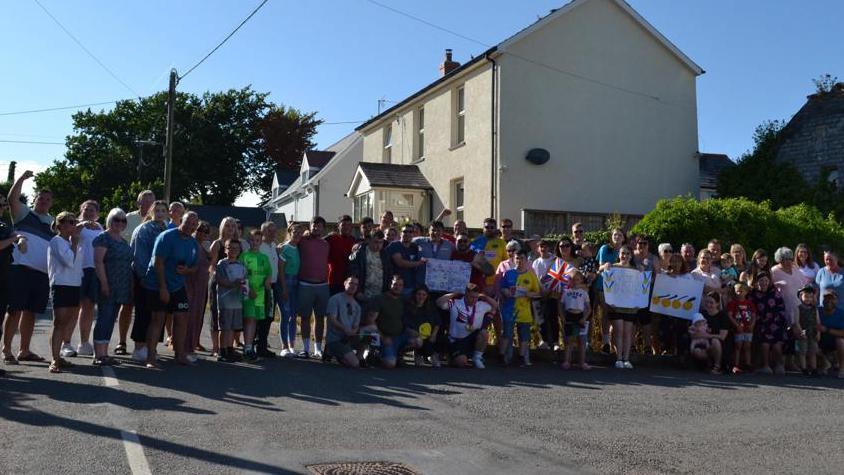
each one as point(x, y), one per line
point(313, 286)
point(339, 248)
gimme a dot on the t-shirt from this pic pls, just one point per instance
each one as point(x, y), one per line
point(809, 272)
point(230, 298)
point(313, 252)
point(541, 265)
point(290, 256)
point(64, 265)
point(347, 312)
point(133, 220)
point(86, 241)
point(390, 310)
point(808, 319)
point(526, 282)
point(339, 248)
point(788, 285)
point(176, 250)
point(508, 304)
point(742, 313)
point(36, 229)
point(465, 319)
point(421, 320)
point(717, 322)
point(710, 279)
point(429, 250)
point(143, 240)
point(410, 253)
point(827, 279)
point(495, 251)
point(269, 250)
point(118, 268)
point(257, 270)
point(834, 320)
point(606, 254)
point(575, 300)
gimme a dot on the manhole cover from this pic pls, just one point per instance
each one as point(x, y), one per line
point(361, 468)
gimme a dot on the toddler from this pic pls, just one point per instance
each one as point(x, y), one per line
point(743, 318)
point(729, 274)
point(574, 304)
point(806, 329)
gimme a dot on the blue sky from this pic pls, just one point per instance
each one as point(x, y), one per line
point(338, 57)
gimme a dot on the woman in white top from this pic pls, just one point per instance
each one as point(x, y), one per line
point(704, 273)
point(89, 213)
point(64, 268)
point(805, 264)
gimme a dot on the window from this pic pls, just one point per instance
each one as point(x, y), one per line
point(457, 198)
point(420, 134)
point(388, 144)
point(363, 206)
point(460, 116)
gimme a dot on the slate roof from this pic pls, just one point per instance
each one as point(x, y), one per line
point(710, 166)
point(249, 216)
point(318, 158)
point(390, 175)
point(286, 177)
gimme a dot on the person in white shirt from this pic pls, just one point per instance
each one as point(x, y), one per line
point(64, 268)
point(467, 334)
point(89, 213)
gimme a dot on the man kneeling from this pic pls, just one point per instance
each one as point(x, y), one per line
point(467, 334)
point(343, 335)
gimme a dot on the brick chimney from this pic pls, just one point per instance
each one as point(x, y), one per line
point(448, 65)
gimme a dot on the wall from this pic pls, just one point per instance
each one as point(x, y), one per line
point(611, 151)
point(334, 182)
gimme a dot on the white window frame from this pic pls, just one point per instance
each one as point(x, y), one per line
point(420, 134)
point(460, 115)
point(459, 208)
point(387, 156)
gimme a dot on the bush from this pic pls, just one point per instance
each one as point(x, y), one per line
point(739, 220)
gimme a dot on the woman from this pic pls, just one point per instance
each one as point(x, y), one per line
point(288, 267)
point(196, 285)
point(830, 276)
point(645, 261)
point(673, 332)
point(739, 258)
point(113, 263)
point(64, 268)
point(719, 325)
point(771, 322)
point(607, 254)
point(216, 253)
point(758, 263)
point(706, 274)
point(805, 264)
point(143, 241)
point(665, 252)
point(421, 324)
point(564, 256)
point(89, 213)
point(622, 318)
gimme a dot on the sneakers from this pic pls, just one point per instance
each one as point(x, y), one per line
point(478, 361)
point(67, 351)
point(85, 349)
point(284, 353)
point(543, 346)
point(318, 354)
point(303, 354)
point(619, 364)
point(435, 360)
point(779, 370)
point(192, 358)
point(737, 370)
point(140, 355)
point(628, 365)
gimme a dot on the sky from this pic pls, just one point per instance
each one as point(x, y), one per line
point(339, 57)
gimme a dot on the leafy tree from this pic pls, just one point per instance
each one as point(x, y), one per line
point(219, 150)
point(825, 83)
point(287, 133)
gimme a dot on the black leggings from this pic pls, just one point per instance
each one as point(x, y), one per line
point(551, 325)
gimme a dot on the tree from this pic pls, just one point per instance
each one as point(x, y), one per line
point(825, 83)
point(219, 149)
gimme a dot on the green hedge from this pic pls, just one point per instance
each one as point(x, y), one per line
point(739, 220)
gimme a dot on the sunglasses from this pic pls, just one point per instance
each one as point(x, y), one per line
point(119, 220)
point(489, 227)
point(506, 226)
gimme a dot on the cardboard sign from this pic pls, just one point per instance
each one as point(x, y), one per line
point(447, 276)
point(627, 288)
point(676, 297)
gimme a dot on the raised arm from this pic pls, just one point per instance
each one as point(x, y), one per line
point(15, 205)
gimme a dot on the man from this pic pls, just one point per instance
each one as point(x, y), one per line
point(714, 247)
point(372, 267)
point(8, 241)
point(578, 237)
point(174, 256)
point(366, 227)
point(134, 219)
point(28, 285)
point(467, 334)
point(832, 328)
point(342, 340)
point(177, 211)
point(407, 259)
point(546, 307)
point(480, 267)
point(433, 246)
point(493, 248)
point(687, 250)
point(507, 230)
point(387, 310)
point(313, 285)
point(340, 246)
point(269, 248)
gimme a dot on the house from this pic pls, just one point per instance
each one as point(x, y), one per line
point(813, 140)
point(282, 179)
point(251, 217)
point(587, 112)
point(320, 187)
point(710, 166)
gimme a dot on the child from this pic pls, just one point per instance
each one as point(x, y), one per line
point(525, 286)
point(64, 268)
point(575, 305)
point(259, 275)
point(806, 329)
point(699, 331)
point(743, 319)
point(729, 273)
point(231, 277)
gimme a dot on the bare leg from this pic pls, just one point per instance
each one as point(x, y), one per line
point(10, 327)
point(180, 329)
point(86, 320)
point(153, 334)
point(618, 335)
point(27, 327)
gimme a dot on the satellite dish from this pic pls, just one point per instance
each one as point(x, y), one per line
point(538, 156)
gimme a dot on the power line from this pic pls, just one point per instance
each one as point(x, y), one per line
point(224, 39)
point(32, 142)
point(432, 25)
point(51, 109)
point(109, 71)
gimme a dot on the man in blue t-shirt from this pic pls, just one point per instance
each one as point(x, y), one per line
point(407, 259)
point(173, 257)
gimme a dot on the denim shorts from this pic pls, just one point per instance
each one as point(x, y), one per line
point(524, 331)
point(392, 350)
point(508, 327)
point(744, 337)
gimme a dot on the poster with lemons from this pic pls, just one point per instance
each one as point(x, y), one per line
point(627, 288)
point(676, 297)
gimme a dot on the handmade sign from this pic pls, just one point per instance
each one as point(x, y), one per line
point(447, 276)
point(676, 297)
point(628, 288)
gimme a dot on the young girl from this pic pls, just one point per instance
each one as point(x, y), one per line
point(64, 267)
point(288, 264)
point(743, 319)
point(574, 304)
point(806, 329)
point(230, 277)
point(758, 263)
point(622, 319)
point(259, 275)
point(217, 253)
point(773, 324)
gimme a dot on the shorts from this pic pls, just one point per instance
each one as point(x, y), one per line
point(90, 285)
point(28, 289)
point(802, 347)
point(572, 325)
point(508, 325)
point(524, 331)
point(231, 319)
point(178, 301)
point(463, 346)
point(392, 351)
point(342, 347)
point(828, 343)
point(65, 296)
point(253, 311)
point(743, 338)
point(627, 317)
point(643, 316)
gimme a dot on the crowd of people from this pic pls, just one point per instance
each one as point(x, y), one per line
point(357, 294)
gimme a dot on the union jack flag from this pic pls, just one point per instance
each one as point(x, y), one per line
point(557, 275)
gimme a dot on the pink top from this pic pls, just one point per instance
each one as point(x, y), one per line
point(788, 285)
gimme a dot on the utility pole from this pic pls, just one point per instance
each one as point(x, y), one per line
point(168, 152)
point(12, 167)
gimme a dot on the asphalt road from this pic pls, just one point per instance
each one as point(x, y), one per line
point(278, 416)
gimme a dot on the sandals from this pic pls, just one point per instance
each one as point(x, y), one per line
point(63, 363)
point(120, 349)
point(55, 367)
point(30, 356)
point(10, 359)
